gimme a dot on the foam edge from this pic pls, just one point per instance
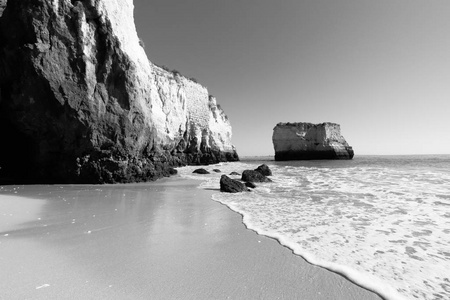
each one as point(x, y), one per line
point(364, 280)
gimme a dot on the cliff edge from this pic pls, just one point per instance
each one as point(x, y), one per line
point(301, 141)
point(81, 103)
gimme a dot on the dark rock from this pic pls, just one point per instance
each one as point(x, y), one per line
point(229, 185)
point(250, 184)
point(254, 176)
point(217, 170)
point(234, 173)
point(172, 171)
point(200, 171)
point(264, 170)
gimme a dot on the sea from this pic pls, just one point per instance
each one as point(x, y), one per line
point(381, 221)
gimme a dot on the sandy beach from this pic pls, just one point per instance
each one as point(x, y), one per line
point(160, 240)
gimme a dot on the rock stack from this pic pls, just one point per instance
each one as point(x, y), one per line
point(298, 141)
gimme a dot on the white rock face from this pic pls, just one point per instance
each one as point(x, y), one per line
point(179, 106)
point(171, 104)
point(2, 6)
point(296, 141)
point(219, 128)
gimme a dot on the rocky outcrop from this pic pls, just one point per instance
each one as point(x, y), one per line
point(80, 102)
point(254, 176)
point(297, 141)
point(2, 6)
point(264, 170)
point(229, 185)
point(201, 171)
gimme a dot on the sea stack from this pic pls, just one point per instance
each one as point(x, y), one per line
point(81, 103)
point(302, 141)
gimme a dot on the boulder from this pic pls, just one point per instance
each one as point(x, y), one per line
point(229, 185)
point(264, 169)
point(200, 171)
point(302, 141)
point(216, 170)
point(234, 173)
point(254, 176)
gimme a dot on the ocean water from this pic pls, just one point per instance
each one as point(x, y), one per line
point(381, 221)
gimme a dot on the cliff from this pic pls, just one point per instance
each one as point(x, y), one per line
point(2, 6)
point(80, 102)
point(297, 141)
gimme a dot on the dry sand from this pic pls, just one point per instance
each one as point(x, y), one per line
point(161, 240)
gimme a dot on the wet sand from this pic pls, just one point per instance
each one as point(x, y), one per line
point(160, 240)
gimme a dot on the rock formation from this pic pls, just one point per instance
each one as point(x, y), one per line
point(229, 185)
point(264, 170)
point(200, 171)
point(80, 102)
point(254, 176)
point(2, 6)
point(297, 141)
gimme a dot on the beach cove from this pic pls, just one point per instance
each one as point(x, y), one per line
point(160, 240)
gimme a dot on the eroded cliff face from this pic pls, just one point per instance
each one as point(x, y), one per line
point(2, 6)
point(297, 141)
point(80, 102)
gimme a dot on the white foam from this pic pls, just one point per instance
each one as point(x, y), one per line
point(385, 229)
point(365, 280)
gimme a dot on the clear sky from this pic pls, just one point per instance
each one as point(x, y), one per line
point(380, 68)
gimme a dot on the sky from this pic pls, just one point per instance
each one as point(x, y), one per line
point(380, 69)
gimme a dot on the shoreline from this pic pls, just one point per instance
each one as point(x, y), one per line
point(359, 228)
point(352, 275)
point(179, 244)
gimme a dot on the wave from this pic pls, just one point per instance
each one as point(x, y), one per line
point(382, 228)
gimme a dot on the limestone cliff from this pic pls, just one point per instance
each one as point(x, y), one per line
point(297, 141)
point(80, 102)
point(2, 6)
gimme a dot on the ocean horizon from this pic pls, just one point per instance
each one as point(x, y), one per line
point(383, 221)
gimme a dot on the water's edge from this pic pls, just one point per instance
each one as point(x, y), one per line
point(370, 281)
point(372, 284)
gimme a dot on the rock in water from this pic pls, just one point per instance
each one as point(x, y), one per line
point(264, 169)
point(81, 103)
point(173, 171)
point(254, 176)
point(201, 171)
point(229, 185)
point(297, 141)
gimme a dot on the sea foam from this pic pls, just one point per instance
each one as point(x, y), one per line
point(385, 229)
